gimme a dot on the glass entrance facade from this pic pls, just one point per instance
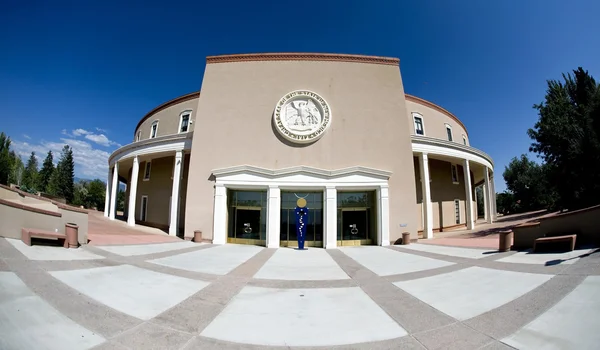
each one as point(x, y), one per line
point(356, 218)
point(314, 230)
point(247, 215)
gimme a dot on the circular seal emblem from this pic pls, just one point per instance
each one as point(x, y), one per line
point(302, 116)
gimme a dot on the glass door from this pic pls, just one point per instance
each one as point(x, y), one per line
point(354, 224)
point(356, 220)
point(247, 217)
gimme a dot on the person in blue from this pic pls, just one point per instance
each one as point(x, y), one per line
point(301, 221)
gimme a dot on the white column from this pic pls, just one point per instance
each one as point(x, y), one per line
point(383, 201)
point(426, 193)
point(468, 196)
point(133, 191)
point(273, 216)
point(494, 210)
point(330, 239)
point(220, 215)
point(107, 194)
point(485, 202)
point(488, 196)
point(113, 195)
point(174, 224)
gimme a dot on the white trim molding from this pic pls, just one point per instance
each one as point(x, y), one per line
point(416, 115)
point(449, 127)
point(300, 176)
point(432, 146)
point(187, 112)
point(169, 143)
point(152, 131)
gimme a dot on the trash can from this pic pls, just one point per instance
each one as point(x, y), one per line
point(197, 236)
point(506, 238)
point(71, 231)
point(405, 238)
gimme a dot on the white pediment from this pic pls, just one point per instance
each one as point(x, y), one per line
point(300, 176)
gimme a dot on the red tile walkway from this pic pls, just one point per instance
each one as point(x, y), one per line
point(103, 231)
point(484, 235)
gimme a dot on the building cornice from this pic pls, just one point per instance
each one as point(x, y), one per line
point(165, 105)
point(155, 145)
point(432, 105)
point(424, 144)
point(298, 56)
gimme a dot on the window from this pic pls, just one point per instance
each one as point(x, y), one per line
point(184, 121)
point(154, 129)
point(465, 140)
point(457, 211)
point(144, 208)
point(449, 132)
point(454, 171)
point(139, 135)
point(418, 120)
point(147, 171)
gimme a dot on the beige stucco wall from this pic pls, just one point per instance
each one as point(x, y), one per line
point(20, 218)
point(158, 189)
point(443, 194)
point(368, 129)
point(434, 122)
point(168, 119)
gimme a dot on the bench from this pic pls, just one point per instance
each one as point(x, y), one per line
point(566, 238)
point(28, 233)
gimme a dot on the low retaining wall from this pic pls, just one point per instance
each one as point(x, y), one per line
point(19, 209)
point(585, 223)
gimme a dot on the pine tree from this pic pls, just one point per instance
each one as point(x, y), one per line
point(30, 176)
point(5, 158)
point(61, 182)
point(46, 172)
point(68, 173)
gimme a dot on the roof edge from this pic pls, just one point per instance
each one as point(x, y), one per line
point(303, 56)
point(187, 97)
point(437, 108)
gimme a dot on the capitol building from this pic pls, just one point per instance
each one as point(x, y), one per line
point(333, 134)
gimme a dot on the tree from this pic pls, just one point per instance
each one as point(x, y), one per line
point(121, 200)
point(16, 170)
point(480, 204)
point(96, 194)
point(61, 182)
point(46, 172)
point(30, 176)
point(527, 182)
point(5, 158)
point(506, 204)
point(567, 137)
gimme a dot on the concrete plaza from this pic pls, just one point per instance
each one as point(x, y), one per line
point(183, 295)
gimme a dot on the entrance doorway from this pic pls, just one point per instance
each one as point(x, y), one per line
point(288, 236)
point(247, 217)
point(356, 221)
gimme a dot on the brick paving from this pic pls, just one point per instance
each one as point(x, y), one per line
point(103, 231)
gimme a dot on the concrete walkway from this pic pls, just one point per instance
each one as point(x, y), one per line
point(183, 295)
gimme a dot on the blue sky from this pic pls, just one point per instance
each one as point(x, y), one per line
point(85, 72)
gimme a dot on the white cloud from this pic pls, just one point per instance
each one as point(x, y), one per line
point(27, 136)
point(89, 161)
point(101, 130)
point(101, 140)
point(80, 132)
